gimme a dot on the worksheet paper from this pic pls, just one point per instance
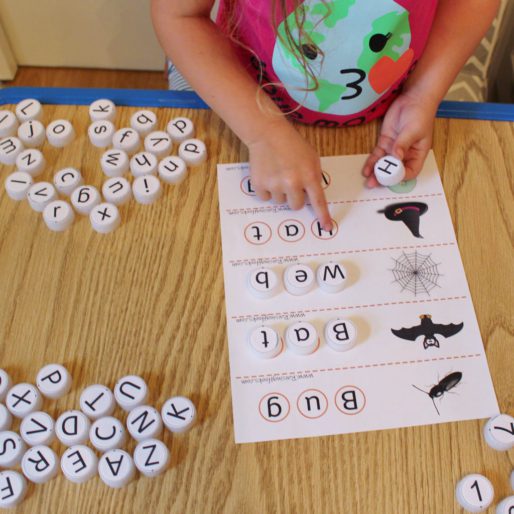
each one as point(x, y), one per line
point(418, 358)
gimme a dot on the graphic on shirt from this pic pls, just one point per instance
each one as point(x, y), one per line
point(364, 49)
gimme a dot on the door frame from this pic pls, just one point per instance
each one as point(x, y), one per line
point(8, 63)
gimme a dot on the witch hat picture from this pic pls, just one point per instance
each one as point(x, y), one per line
point(408, 212)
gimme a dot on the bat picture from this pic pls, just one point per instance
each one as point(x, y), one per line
point(428, 329)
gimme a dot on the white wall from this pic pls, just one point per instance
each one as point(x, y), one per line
point(116, 34)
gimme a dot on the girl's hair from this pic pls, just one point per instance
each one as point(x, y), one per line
point(297, 45)
point(295, 41)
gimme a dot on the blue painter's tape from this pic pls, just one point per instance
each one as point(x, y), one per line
point(190, 100)
point(476, 111)
point(85, 96)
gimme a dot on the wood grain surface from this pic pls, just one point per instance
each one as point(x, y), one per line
point(82, 77)
point(148, 299)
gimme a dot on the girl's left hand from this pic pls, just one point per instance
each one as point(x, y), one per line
point(406, 133)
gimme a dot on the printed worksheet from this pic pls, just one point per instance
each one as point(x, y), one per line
point(369, 326)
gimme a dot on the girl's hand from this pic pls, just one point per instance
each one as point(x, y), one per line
point(406, 133)
point(284, 167)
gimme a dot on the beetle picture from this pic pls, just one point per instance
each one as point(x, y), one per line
point(444, 386)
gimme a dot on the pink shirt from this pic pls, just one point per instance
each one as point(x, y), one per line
point(368, 48)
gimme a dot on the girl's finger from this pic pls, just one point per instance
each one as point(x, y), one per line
point(414, 162)
point(262, 193)
point(278, 197)
point(296, 199)
point(319, 204)
point(383, 147)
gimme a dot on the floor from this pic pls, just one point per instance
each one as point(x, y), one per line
point(78, 77)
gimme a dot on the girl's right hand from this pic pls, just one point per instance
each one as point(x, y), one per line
point(284, 167)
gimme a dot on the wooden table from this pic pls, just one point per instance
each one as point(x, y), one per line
point(148, 299)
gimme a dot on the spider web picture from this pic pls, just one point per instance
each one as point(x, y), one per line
point(416, 273)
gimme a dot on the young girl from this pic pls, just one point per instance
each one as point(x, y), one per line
point(328, 63)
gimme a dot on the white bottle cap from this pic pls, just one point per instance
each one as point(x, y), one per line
point(340, 334)
point(54, 381)
point(117, 190)
point(105, 217)
point(143, 122)
point(40, 194)
point(10, 148)
point(331, 277)
point(146, 189)
point(17, 185)
point(31, 161)
point(97, 401)
point(101, 132)
point(67, 180)
point(143, 163)
point(13, 448)
point(302, 338)
point(14, 487)
point(144, 422)
point(178, 414)
point(263, 283)
point(37, 428)
point(5, 384)
point(180, 129)
point(474, 493)
point(114, 163)
point(5, 418)
point(159, 143)
point(193, 151)
point(130, 392)
point(389, 171)
point(84, 198)
point(264, 342)
point(116, 468)
point(60, 133)
point(102, 109)
point(151, 457)
point(40, 464)
point(299, 279)
point(29, 109)
point(22, 399)
point(126, 139)
point(32, 133)
point(72, 427)
point(172, 169)
point(8, 124)
point(107, 434)
point(499, 432)
point(506, 506)
point(58, 215)
point(79, 463)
